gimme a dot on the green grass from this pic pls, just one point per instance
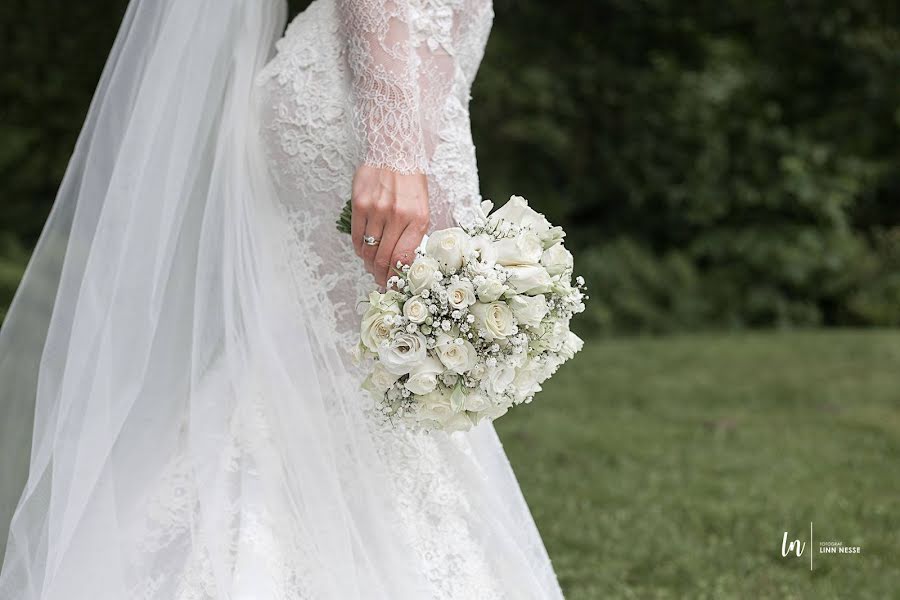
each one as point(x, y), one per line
point(671, 468)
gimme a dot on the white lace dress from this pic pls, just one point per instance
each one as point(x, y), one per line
point(385, 82)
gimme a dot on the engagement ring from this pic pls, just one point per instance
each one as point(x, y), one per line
point(370, 240)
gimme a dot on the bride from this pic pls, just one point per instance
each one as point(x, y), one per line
point(182, 337)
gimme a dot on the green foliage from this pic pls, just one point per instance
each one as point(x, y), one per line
point(716, 164)
point(732, 164)
point(51, 55)
point(671, 468)
point(635, 290)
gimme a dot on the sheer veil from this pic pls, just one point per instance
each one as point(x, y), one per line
point(169, 363)
point(150, 281)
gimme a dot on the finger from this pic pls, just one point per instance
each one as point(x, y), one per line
point(358, 223)
point(383, 264)
point(358, 245)
point(405, 249)
point(374, 228)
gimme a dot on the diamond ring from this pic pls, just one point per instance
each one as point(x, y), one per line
point(370, 240)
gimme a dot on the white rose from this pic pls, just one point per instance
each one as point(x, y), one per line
point(562, 286)
point(523, 249)
point(448, 247)
point(544, 369)
point(559, 334)
point(552, 334)
point(415, 310)
point(477, 268)
point(552, 236)
point(492, 412)
point(477, 372)
point(572, 345)
point(421, 274)
point(403, 352)
point(517, 211)
point(529, 310)
point(373, 329)
point(495, 319)
point(379, 380)
point(461, 294)
point(483, 246)
point(457, 422)
point(498, 379)
point(556, 259)
point(476, 401)
point(525, 382)
point(386, 301)
point(459, 358)
point(435, 405)
point(423, 377)
point(529, 279)
point(490, 290)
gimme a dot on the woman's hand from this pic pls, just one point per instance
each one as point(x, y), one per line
point(393, 209)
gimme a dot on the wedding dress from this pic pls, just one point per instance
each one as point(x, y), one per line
point(183, 335)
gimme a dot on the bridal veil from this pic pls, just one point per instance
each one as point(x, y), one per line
point(187, 405)
point(149, 285)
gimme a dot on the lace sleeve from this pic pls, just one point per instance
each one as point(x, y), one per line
point(398, 81)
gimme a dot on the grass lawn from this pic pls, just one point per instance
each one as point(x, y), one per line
point(671, 468)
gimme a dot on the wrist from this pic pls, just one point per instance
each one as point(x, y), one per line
point(401, 165)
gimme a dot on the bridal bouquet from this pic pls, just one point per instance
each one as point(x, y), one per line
point(475, 324)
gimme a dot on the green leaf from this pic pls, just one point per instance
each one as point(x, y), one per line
point(457, 398)
point(345, 218)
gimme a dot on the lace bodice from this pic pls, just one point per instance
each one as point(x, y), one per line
point(373, 81)
point(382, 82)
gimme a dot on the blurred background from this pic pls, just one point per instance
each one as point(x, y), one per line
point(727, 173)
